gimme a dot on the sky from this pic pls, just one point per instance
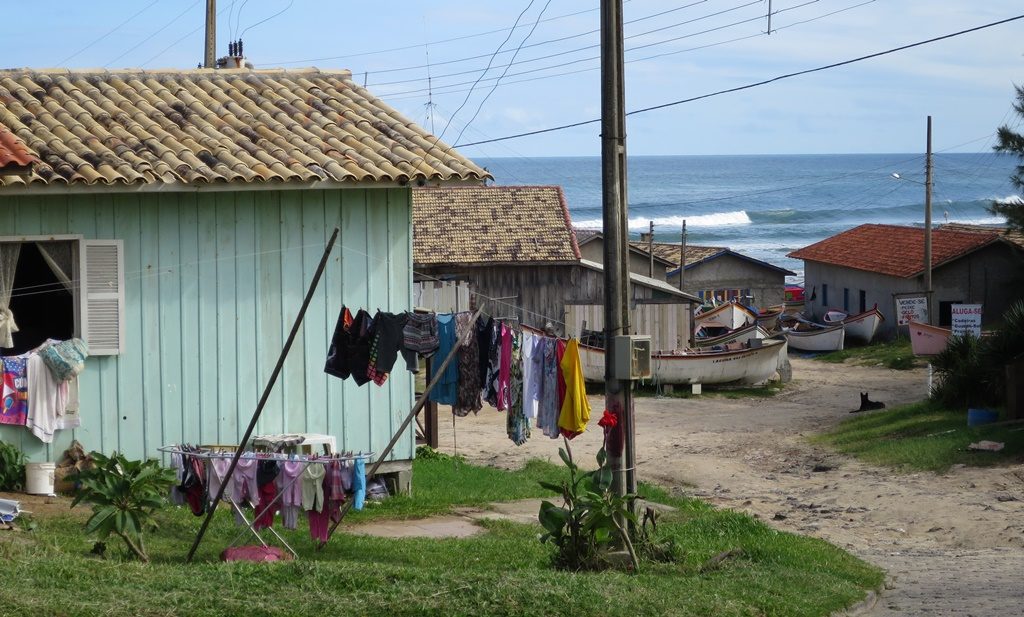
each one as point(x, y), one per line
point(701, 46)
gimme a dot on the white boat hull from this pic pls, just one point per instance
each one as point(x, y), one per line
point(730, 315)
point(742, 335)
point(823, 339)
point(742, 367)
point(861, 327)
point(928, 340)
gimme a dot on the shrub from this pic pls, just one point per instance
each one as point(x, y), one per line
point(124, 494)
point(12, 468)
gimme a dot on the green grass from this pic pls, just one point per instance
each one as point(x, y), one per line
point(895, 354)
point(503, 571)
point(923, 436)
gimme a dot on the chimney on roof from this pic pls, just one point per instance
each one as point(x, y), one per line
point(645, 236)
point(235, 58)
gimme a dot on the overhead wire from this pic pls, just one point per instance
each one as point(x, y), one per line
point(428, 43)
point(151, 36)
point(470, 93)
point(175, 43)
point(762, 82)
point(109, 32)
point(493, 88)
point(265, 20)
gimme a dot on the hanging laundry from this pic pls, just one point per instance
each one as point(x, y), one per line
point(484, 335)
point(493, 364)
point(193, 486)
point(243, 482)
point(575, 409)
point(386, 339)
point(550, 407)
point(531, 374)
point(266, 474)
point(47, 399)
point(313, 488)
point(517, 424)
point(14, 404)
point(419, 337)
point(338, 358)
point(468, 388)
point(65, 359)
point(290, 483)
point(359, 484)
point(444, 391)
point(504, 367)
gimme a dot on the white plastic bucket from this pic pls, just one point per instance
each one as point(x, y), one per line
point(39, 478)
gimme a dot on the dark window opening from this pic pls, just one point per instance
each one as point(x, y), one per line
point(863, 300)
point(824, 295)
point(846, 299)
point(42, 306)
point(946, 313)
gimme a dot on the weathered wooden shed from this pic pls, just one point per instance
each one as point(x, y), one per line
point(195, 206)
point(516, 244)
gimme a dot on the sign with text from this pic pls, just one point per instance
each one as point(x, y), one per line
point(911, 309)
point(966, 319)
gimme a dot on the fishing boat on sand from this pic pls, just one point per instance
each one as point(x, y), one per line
point(928, 340)
point(769, 318)
point(746, 366)
point(809, 336)
point(730, 315)
point(862, 326)
point(742, 335)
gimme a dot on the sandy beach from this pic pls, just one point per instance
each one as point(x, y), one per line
point(952, 543)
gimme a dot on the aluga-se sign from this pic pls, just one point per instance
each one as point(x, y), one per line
point(966, 319)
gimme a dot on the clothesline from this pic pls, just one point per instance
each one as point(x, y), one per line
point(137, 275)
point(275, 456)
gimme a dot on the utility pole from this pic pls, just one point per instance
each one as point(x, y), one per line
point(682, 256)
point(650, 246)
point(210, 50)
point(928, 223)
point(618, 397)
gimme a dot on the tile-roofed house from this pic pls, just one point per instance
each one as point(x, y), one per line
point(205, 126)
point(15, 159)
point(720, 273)
point(174, 220)
point(541, 233)
point(591, 243)
point(514, 247)
point(872, 264)
point(1011, 235)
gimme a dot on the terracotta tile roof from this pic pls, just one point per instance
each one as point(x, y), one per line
point(892, 249)
point(1009, 235)
point(14, 157)
point(492, 224)
point(669, 251)
point(135, 127)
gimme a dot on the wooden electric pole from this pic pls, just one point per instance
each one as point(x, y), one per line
point(928, 223)
point(650, 246)
point(682, 256)
point(618, 396)
point(210, 48)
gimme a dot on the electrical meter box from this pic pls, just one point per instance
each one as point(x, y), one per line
point(632, 357)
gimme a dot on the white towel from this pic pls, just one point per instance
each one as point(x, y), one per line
point(46, 399)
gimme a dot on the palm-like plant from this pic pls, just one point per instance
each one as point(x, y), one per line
point(124, 494)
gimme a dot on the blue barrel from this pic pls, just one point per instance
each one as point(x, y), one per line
point(977, 417)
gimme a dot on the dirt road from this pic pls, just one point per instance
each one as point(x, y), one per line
point(953, 544)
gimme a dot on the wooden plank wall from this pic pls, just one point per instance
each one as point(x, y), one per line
point(213, 282)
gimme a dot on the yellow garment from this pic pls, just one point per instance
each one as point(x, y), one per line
point(575, 408)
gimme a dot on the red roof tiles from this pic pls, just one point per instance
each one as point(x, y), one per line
point(14, 156)
point(892, 249)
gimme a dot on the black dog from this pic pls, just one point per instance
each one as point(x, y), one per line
point(867, 404)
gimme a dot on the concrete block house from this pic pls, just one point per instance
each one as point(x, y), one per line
point(188, 211)
point(871, 264)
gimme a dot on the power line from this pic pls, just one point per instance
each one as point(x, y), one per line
point(428, 43)
point(495, 86)
point(761, 83)
point(596, 46)
point(265, 20)
point(150, 37)
point(540, 43)
point(109, 32)
point(175, 43)
point(468, 94)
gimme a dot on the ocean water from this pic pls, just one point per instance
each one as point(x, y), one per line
point(766, 206)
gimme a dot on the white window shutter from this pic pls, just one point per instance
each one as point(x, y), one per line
point(103, 296)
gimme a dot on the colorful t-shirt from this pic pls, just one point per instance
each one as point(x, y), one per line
point(14, 404)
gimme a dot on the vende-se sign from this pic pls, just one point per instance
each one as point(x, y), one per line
point(966, 318)
point(911, 309)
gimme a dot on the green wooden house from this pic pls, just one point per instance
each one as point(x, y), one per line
point(173, 220)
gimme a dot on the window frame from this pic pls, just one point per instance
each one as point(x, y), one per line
point(77, 296)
